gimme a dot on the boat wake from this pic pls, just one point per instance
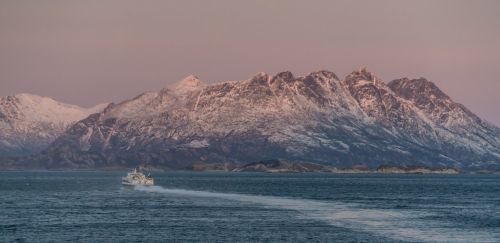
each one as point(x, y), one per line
point(395, 224)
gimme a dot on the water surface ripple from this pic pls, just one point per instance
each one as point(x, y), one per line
point(249, 207)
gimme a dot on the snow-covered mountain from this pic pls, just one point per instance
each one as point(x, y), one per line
point(29, 123)
point(359, 120)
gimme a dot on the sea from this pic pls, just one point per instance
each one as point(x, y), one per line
point(91, 206)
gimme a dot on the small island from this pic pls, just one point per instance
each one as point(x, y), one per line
point(285, 166)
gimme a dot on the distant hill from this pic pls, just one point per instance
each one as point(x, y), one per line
point(29, 123)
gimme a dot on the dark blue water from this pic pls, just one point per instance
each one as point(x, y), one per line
point(253, 207)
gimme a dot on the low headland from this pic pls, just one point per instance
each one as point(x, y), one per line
point(284, 166)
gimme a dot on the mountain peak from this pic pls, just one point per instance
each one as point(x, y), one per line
point(32, 97)
point(362, 77)
point(32, 100)
point(261, 76)
point(438, 106)
point(285, 76)
point(325, 73)
point(412, 88)
point(364, 74)
point(189, 83)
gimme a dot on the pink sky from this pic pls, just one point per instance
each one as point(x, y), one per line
point(88, 52)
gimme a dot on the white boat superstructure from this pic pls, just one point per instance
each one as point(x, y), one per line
point(136, 177)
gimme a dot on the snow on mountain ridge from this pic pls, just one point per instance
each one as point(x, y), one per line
point(152, 102)
point(317, 117)
point(28, 123)
point(445, 113)
point(40, 108)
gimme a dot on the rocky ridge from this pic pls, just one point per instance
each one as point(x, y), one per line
point(358, 120)
point(318, 118)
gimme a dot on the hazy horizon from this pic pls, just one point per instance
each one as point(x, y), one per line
point(90, 52)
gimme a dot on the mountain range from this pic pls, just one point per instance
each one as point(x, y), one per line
point(319, 118)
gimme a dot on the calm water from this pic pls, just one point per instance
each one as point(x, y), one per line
point(253, 207)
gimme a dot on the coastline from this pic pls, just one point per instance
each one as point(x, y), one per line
point(271, 166)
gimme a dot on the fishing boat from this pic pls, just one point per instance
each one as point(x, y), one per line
point(137, 178)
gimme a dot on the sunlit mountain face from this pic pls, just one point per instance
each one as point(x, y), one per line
point(29, 123)
point(320, 118)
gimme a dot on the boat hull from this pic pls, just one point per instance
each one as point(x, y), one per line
point(134, 183)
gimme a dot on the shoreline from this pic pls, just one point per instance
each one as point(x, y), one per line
point(259, 172)
point(273, 166)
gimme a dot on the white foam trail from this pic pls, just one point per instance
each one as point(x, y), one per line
point(400, 225)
